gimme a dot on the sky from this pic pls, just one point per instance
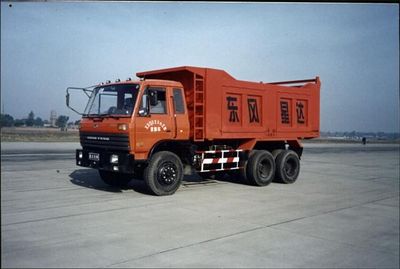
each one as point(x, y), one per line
point(353, 48)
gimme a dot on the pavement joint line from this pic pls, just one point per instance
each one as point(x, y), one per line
point(72, 205)
point(185, 246)
point(64, 206)
point(331, 240)
point(80, 214)
point(65, 216)
point(336, 242)
point(32, 170)
point(246, 231)
point(55, 188)
point(334, 210)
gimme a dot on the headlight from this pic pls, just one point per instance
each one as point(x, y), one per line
point(80, 155)
point(114, 158)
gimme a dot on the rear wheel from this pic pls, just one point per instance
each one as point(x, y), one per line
point(260, 168)
point(164, 173)
point(115, 179)
point(276, 152)
point(287, 166)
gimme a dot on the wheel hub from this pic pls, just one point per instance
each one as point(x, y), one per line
point(264, 169)
point(290, 167)
point(167, 174)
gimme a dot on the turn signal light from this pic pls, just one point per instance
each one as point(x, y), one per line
point(122, 126)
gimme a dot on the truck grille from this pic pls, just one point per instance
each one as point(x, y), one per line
point(105, 141)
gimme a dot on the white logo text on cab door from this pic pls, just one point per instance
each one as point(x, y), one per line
point(155, 126)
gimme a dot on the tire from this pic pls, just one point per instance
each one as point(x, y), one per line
point(287, 167)
point(260, 168)
point(164, 173)
point(242, 171)
point(115, 179)
point(276, 152)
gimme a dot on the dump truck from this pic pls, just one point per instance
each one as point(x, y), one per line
point(183, 120)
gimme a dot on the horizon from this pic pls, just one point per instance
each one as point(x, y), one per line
point(353, 48)
point(321, 131)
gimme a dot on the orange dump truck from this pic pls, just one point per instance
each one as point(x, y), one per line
point(187, 119)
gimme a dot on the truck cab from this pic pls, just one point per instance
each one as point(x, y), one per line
point(124, 121)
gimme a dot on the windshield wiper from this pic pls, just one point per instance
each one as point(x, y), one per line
point(122, 115)
point(90, 115)
point(102, 115)
point(112, 115)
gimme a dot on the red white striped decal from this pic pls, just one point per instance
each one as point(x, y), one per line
point(220, 161)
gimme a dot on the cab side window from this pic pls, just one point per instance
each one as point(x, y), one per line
point(178, 102)
point(157, 100)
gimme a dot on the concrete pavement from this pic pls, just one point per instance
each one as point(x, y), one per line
point(342, 212)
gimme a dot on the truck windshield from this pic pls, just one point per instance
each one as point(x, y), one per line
point(112, 100)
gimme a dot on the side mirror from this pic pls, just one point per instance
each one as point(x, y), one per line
point(82, 92)
point(67, 99)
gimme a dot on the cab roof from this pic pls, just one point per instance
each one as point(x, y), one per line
point(147, 81)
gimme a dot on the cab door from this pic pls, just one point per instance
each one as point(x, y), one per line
point(154, 120)
point(181, 117)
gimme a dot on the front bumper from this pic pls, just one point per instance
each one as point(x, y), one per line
point(125, 163)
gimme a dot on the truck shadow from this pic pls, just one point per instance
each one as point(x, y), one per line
point(90, 178)
point(235, 179)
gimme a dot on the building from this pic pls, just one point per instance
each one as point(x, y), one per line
point(53, 118)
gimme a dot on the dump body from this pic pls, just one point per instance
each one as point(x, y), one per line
point(221, 107)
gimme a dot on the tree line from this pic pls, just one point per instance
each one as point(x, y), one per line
point(32, 121)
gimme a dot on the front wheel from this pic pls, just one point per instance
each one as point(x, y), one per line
point(164, 173)
point(287, 166)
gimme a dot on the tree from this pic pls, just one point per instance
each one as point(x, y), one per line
point(19, 122)
point(38, 122)
point(62, 121)
point(31, 119)
point(6, 120)
point(77, 122)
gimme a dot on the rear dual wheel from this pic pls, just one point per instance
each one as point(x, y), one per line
point(260, 168)
point(287, 166)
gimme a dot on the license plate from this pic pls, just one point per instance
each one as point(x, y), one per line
point(94, 156)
